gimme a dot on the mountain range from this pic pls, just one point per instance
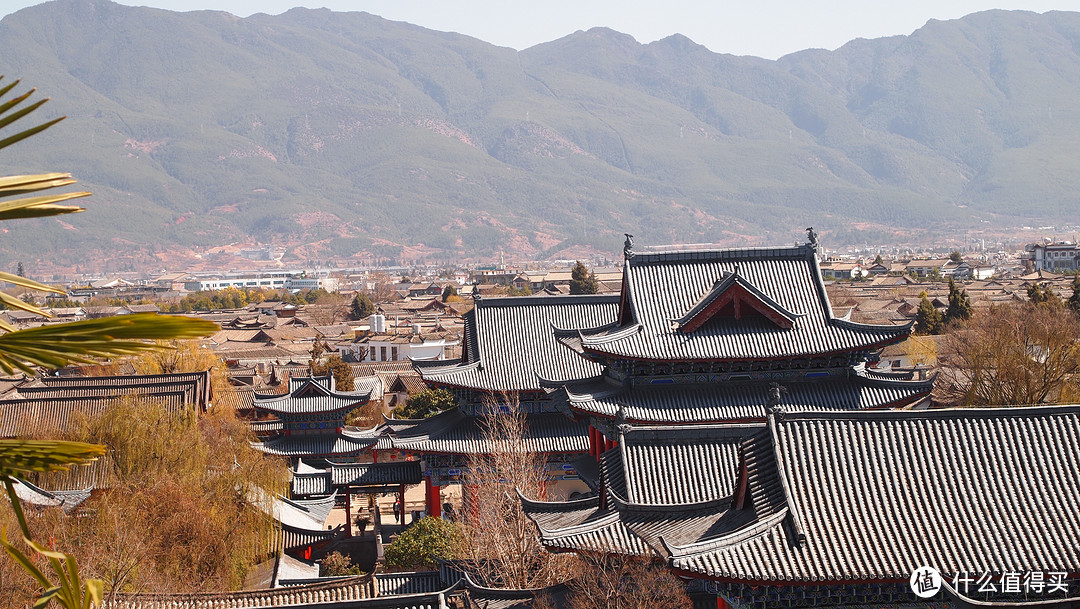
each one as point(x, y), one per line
point(345, 136)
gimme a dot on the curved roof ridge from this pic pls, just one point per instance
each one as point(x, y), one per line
point(758, 527)
point(632, 506)
point(567, 505)
point(883, 328)
point(938, 413)
point(679, 253)
point(605, 336)
point(487, 303)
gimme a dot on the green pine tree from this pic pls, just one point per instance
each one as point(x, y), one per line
point(582, 280)
point(361, 306)
point(959, 304)
point(928, 320)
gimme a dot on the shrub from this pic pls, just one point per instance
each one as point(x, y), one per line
point(424, 542)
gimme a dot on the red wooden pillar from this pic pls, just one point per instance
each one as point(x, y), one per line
point(348, 512)
point(469, 500)
point(721, 603)
point(374, 455)
point(433, 499)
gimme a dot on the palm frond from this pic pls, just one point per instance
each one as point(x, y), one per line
point(57, 345)
point(39, 207)
point(23, 456)
point(15, 303)
point(29, 283)
point(20, 185)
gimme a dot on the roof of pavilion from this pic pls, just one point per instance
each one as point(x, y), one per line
point(675, 403)
point(66, 500)
point(317, 394)
point(320, 445)
point(454, 432)
point(675, 481)
point(720, 305)
point(509, 344)
point(312, 481)
point(865, 496)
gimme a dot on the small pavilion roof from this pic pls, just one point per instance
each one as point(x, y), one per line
point(65, 500)
point(311, 481)
point(740, 400)
point(661, 291)
point(509, 343)
point(317, 445)
point(454, 432)
point(316, 394)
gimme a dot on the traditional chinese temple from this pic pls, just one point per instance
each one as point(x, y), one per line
point(509, 351)
point(307, 425)
point(737, 434)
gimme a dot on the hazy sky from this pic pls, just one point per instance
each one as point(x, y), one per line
point(766, 28)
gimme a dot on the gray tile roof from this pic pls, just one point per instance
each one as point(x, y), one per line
point(314, 394)
point(676, 466)
point(316, 445)
point(584, 526)
point(412, 582)
point(27, 418)
point(872, 495)
point(30, 494)
point(454, 432)
point(663, 288)
point(322, 482)
point(737, 400)
point(333, 593)
point(202, 393)
point(509, 344)
point(482, 597)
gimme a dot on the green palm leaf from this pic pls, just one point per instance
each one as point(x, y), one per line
point(23, 456)
point(27, 283)
point(58, 345)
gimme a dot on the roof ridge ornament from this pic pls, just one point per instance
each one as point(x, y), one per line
point(476, 291)
point(812, 238)
point(628, 247)
point(772, 405)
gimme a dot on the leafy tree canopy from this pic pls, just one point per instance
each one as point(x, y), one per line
point(959, 304)
point(361, 306)
point(426, 404)
point(448, 291)
point(928, 320)
point(583, 280)
point(343, 376)
point(425, 541)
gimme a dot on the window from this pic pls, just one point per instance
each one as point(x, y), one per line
point(393, 353)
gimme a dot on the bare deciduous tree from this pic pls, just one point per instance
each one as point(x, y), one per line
point(331, 309)
point(501, 540)
point(1013, 355)
point(627, 582)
